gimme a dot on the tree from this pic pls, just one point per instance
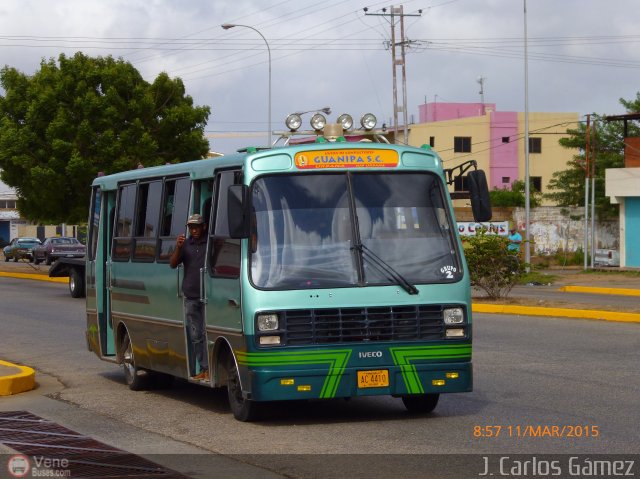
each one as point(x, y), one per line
point(515, 196)
point(492, 266)
point(67, 122)
point(608, 151)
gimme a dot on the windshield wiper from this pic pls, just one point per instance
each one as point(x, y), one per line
point(385, 268)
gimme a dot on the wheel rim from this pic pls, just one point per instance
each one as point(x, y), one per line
point(72, 286)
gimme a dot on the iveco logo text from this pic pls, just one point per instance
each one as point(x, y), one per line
point(370, 354)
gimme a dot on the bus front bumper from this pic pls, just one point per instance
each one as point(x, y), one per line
point(293, 383)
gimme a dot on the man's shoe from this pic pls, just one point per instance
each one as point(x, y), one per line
point(203, 376)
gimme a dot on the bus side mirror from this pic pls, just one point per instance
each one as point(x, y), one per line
point(238, 211)
point(479, 194)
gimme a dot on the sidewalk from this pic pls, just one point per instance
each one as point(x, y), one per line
point(604, 294)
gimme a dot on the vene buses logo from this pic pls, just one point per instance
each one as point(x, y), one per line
point(18, 466)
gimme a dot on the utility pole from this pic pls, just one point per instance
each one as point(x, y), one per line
point(398, 60)
point(481, 80)
point(587, 172)
point(593, 193)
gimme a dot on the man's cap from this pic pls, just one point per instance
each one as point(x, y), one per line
point(195, 219)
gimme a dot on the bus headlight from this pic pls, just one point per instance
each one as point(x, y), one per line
point(368, 121)
point(267, 322)
point(318, 121)
point(346, 121)
point(453, 316)
point(293, 121)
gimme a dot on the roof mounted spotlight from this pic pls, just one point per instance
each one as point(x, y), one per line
point(346, 121)
point(318, 121)
point(293, 121)
point(368, 121)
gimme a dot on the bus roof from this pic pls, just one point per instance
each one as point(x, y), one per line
point(330, 155)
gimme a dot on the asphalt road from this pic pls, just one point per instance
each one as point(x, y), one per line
point(531, 375)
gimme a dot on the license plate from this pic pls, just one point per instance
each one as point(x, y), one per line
point(373, 379)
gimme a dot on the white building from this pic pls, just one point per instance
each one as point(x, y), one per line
point(9, 216)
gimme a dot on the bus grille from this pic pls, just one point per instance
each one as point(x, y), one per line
point(348, 325)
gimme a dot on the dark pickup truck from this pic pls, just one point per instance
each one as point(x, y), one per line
point(74, 269)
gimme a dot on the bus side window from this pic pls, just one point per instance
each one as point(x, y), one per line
point(122, 239)
point(203, 192)
point(94, 225)
point(147, 218)
point(175, 208)
point(225, 252)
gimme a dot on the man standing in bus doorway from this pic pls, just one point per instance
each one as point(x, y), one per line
point(191, 253)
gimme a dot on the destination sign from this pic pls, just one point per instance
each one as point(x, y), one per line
point(350, 158)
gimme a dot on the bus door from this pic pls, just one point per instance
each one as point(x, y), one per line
point(222, 283)
point(202, 197)
point(99, 324)
point(174, 211)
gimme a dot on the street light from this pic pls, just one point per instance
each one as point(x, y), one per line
point(527, 192)
point(227, 26)
point(326, 110)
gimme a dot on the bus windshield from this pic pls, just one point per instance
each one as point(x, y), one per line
point(311, 230)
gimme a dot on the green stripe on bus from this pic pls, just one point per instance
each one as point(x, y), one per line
point(403, 356)
point(335, 359)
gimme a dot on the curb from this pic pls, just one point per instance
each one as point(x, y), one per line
point(563, 312)
point(19, 379)
point(39, 277)
point(598, 290)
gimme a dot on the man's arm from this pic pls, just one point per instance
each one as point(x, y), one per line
point(174, 261)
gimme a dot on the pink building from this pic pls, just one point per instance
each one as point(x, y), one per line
point(430, 112)
point(504, 135)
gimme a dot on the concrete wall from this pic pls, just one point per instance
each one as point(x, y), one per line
point(554, 228)
point(47, 231)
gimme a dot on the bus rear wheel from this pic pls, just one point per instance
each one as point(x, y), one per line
point(133, 376)
point(243, 409)
point(421, 403)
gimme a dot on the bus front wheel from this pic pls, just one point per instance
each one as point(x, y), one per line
point(243, 409)
point(421, 403)
point(133, 376)
point(76, 283)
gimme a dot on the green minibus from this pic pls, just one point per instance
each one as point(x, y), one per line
point(333, 269)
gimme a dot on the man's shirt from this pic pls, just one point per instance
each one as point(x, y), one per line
point(192, 256)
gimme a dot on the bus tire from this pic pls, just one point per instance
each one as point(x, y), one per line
point(421, 403)
point(243, 409)
point(133, 376)
point(76, 283)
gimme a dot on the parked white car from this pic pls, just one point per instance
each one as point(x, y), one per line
point(607, 257)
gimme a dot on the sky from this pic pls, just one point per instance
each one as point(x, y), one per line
point(583, 55)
